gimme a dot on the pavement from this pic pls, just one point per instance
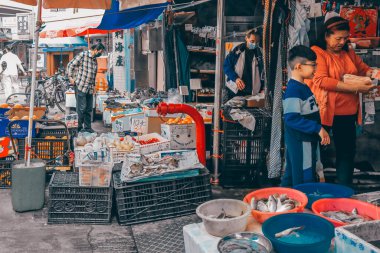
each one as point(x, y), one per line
point(29, 232)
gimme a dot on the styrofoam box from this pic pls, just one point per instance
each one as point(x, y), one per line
point(180, 136)
point(164, 144)
point(95, 175)
point(356, 238)
point(124, 124)
point(100, 98)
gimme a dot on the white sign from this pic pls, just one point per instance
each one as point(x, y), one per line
point(139, 125)
point(25, 25)
point(195, 84)
point(184, 90)
point(9, 22)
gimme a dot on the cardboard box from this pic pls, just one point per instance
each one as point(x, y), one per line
point(21, 112)
point(124, 124)
point(162, 145)
point(257, 102)
point(180, 136)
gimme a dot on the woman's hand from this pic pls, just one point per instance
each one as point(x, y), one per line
point(369, 73)
point(325, 138)
point(364, 88)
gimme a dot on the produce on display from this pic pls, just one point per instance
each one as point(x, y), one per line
point(275, 203)
point(352, 217)
point(180, 121)
point(288, 231)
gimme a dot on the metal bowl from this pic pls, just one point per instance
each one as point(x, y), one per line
point(245, 242)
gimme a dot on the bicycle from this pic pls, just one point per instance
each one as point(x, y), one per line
point(52, 91)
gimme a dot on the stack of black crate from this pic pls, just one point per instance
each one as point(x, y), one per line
point(243, 151)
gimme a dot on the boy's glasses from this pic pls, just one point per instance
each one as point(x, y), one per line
point(314, 65)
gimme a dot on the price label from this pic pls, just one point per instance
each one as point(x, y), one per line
point(139, 125)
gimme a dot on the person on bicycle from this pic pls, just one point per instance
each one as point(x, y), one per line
point(10, 74)
point(82, 73)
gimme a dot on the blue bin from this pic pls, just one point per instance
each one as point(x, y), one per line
point(3, 111)
point(314, 238)
point(316, 191)
point(19, 129)
point(3, 126)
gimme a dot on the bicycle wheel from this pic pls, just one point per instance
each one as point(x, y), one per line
point(60, 98)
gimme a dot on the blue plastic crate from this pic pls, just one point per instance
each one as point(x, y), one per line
point(19, 128)
point(3, 111)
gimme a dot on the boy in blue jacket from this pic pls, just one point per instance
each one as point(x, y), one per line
point(303, 129)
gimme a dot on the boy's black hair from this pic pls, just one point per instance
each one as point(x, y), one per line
point(300, 54)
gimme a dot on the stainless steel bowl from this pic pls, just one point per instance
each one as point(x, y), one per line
point(245, 242)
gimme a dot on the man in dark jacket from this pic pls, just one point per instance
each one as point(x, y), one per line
point(243, 67)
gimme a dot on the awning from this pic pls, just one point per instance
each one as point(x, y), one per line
point(55, 4)
point(74, 27)
point(132, 17)
point(62, 42)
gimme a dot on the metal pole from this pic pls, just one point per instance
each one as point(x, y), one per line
point(218, 85)
point(33, 85)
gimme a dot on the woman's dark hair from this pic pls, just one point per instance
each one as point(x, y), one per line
point(98, 47)
point(329, 27)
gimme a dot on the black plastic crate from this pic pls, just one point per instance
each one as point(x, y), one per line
point(59, 133)
point(234, 130)
point(151, 201)
point(53, 151)
point(71, 203)
point(6, 172)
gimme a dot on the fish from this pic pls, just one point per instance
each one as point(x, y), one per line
point(284, 208)
point(272, 204)
point(224, 215)
point(279, 204)
point(352, 217)
point(262, 207)
point(283, 197)
point(253, 203)
point(288, 231)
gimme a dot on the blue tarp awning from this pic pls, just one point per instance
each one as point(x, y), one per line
point(130, 18)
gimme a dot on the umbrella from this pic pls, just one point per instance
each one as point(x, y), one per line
point(62, 42)
point(55, 4)
point(83, 26)
point(87, 4)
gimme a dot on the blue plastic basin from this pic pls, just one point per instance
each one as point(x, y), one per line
point(316, 191)
point(314, 238)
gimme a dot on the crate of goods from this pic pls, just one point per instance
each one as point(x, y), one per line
point(98, 175)
point(124, 123)
point(6, 172)
point(19, 121)
point(55, 151)
point(363, 237)
point(70, 203)
point(244, 151)
point(151, 201)
point(150, 143)
point(181, 136)
point(4, 108)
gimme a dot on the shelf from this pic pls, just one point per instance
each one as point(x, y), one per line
point(206, 51)
point(200, 71)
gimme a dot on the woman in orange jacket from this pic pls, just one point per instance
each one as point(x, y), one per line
point(339, 100)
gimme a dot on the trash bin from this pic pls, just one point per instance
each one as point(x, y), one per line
point(28, 185)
